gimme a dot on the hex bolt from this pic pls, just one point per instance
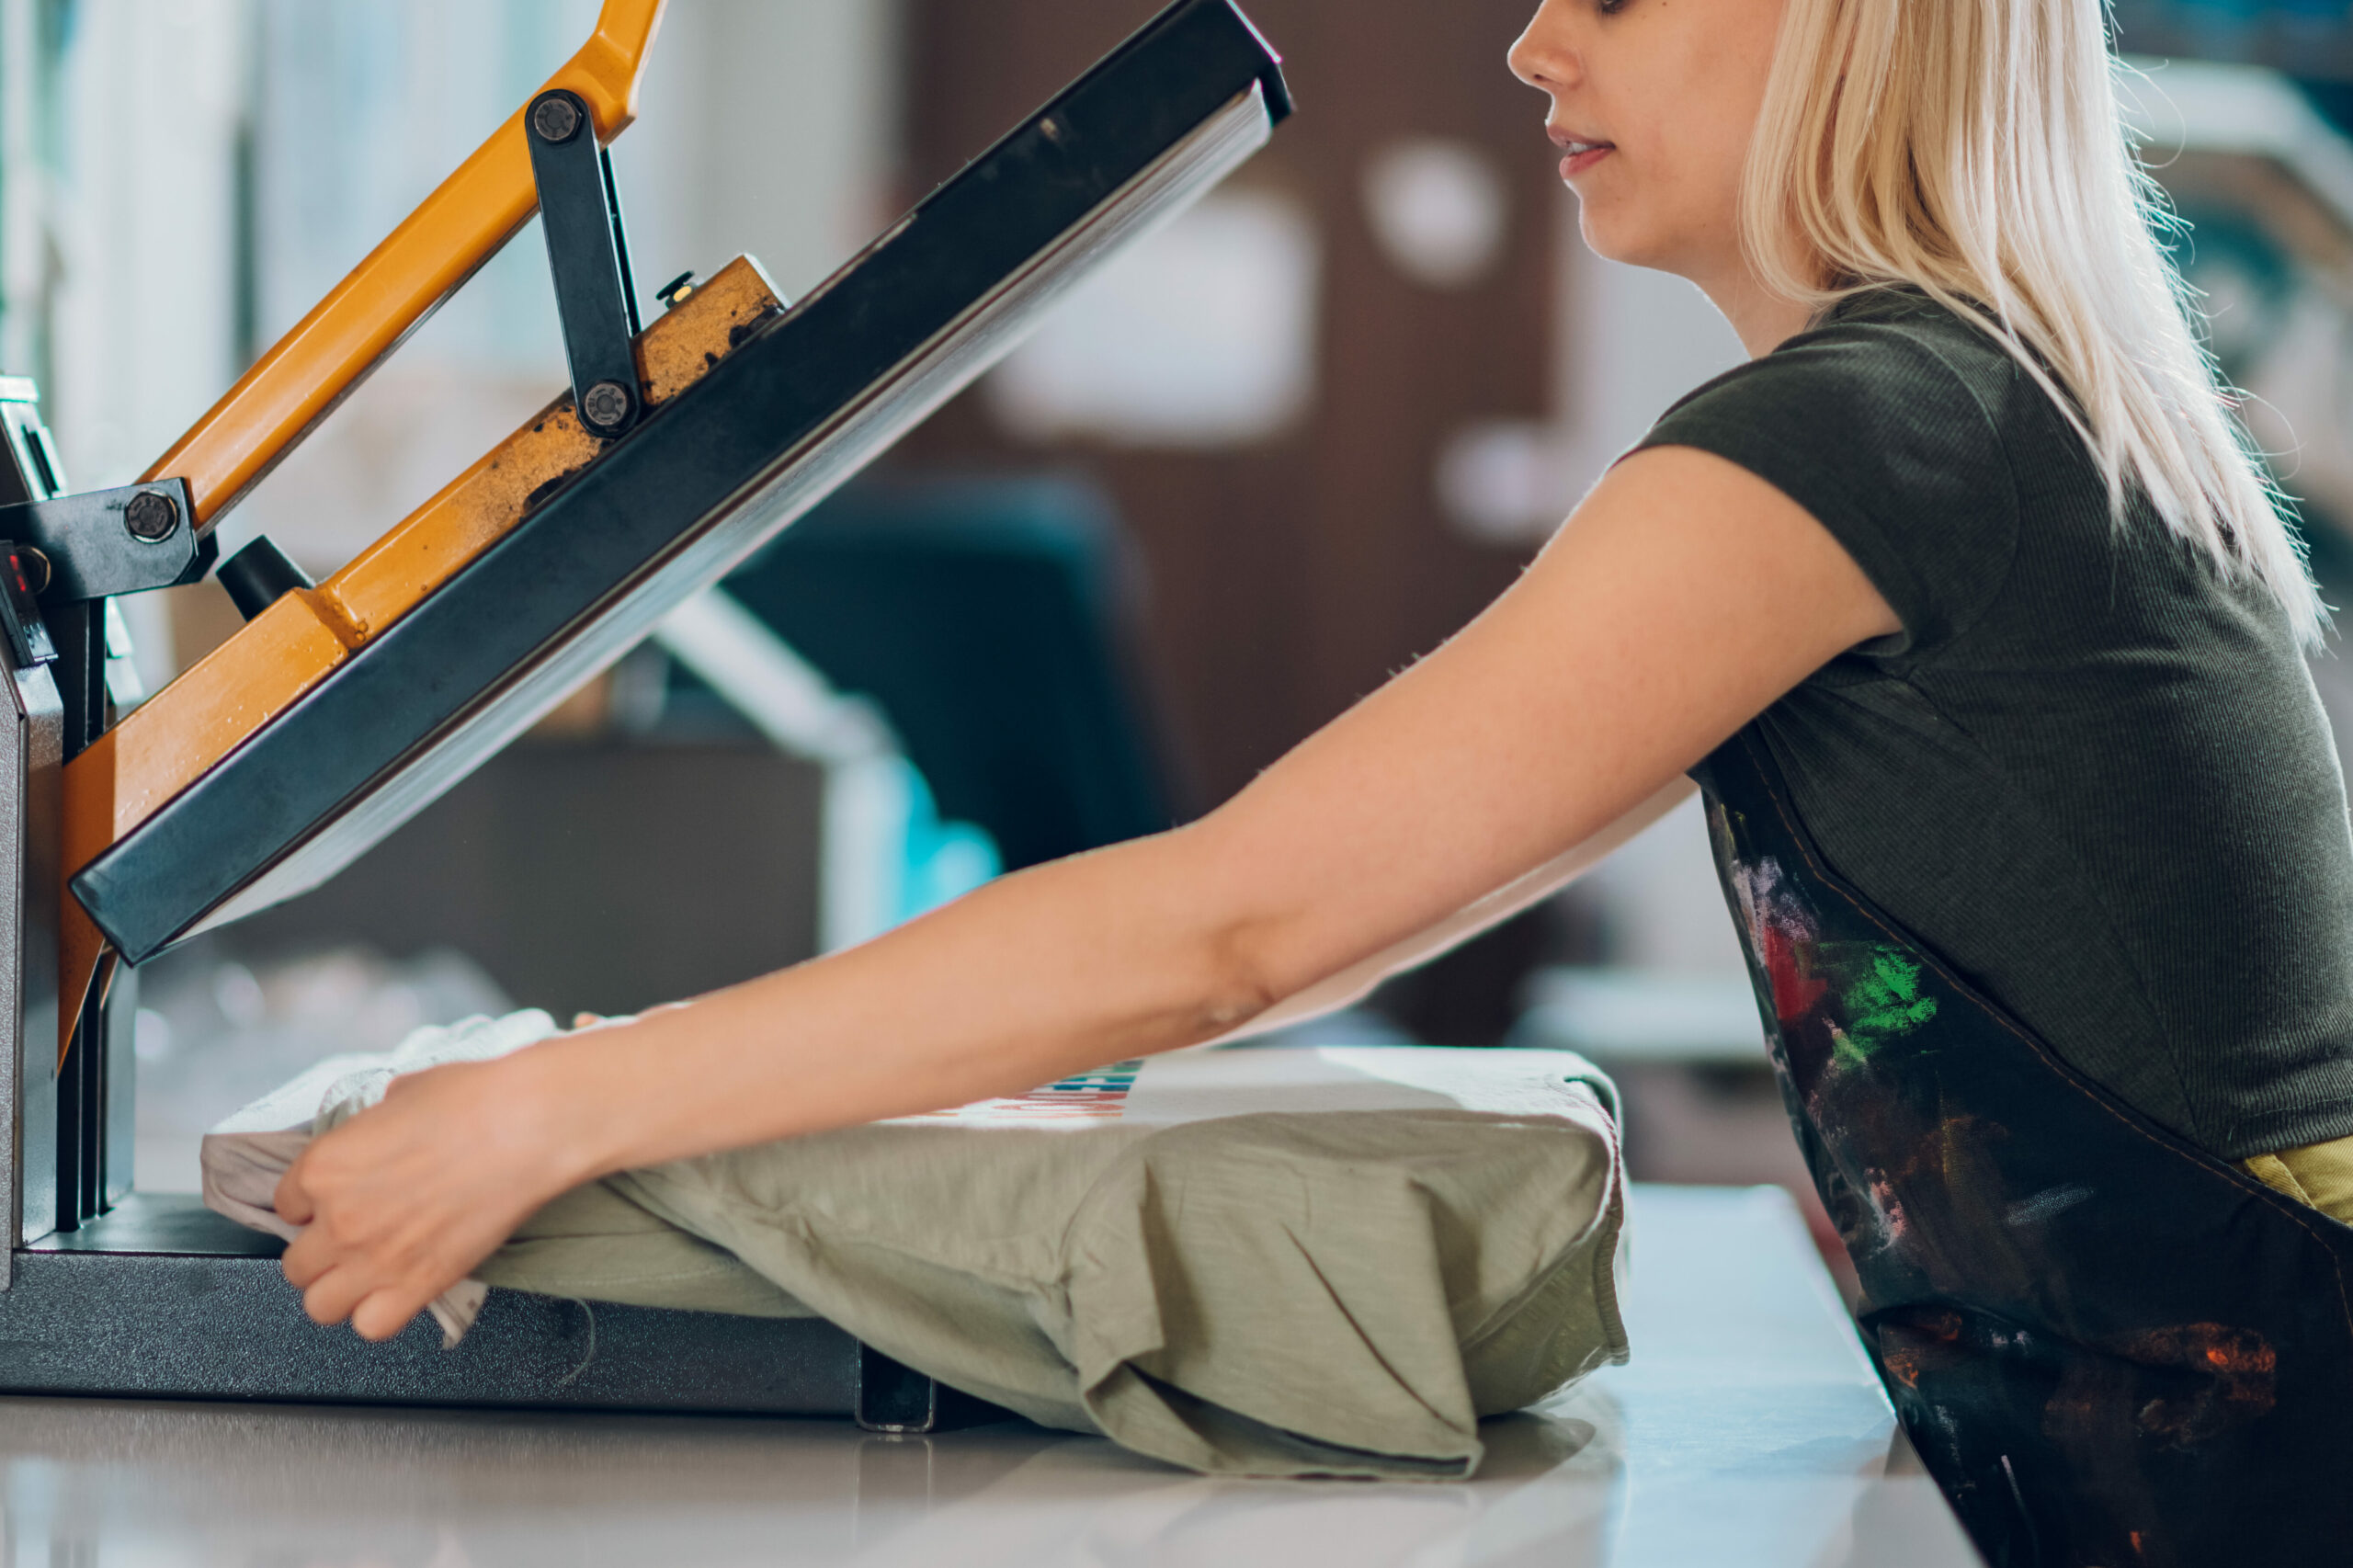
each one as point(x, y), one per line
point(151, 516)
point(605, 405)
point(555, 120)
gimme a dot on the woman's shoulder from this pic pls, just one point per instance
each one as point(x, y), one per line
point(1887, 421)
point(1891, 392)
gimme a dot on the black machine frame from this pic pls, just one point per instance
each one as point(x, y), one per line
point(111, 1291)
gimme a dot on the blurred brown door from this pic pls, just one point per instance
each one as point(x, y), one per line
point(1289, 578)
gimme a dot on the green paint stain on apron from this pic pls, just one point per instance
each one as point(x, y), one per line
point(1881, 1003)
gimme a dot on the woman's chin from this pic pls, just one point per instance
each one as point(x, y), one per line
point(1615, 236)
point(1606, 233)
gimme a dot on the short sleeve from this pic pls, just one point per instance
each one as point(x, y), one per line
point(1880, 438)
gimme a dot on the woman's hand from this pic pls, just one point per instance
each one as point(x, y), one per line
point(402, 1201)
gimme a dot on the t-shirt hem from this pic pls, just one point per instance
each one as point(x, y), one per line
point(2290, 1128)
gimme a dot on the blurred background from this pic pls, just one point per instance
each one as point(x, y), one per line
point(1270, 458)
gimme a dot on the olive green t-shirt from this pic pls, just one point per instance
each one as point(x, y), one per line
point(2091, 772)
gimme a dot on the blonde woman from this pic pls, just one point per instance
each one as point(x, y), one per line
point(1963, 601)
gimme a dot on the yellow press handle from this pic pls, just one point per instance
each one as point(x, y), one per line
point(420, 263)
point(362, 319)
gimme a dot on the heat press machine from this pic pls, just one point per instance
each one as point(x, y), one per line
point(344, 707)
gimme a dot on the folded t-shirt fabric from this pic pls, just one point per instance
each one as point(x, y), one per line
point(1272, 1261)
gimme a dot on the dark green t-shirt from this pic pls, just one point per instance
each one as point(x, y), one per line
point(2090, 772)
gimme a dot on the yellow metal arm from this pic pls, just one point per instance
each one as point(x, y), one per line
point(297, 383)
point(363, 318)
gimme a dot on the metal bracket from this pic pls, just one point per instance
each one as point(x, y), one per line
point(20, 620)
point(259, 575)
point(103, 542)
point(893, 1398)
point(580, 214)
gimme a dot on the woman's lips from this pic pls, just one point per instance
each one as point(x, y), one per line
point(1578, 162)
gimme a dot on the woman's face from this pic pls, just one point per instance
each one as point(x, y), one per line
point(1652, 105)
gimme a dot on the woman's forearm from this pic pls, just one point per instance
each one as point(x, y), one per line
point(1039, 975)
point(1043, 973)
point(1358, 981)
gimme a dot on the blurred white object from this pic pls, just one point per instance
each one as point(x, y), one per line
point(791, 705)
point(1663, 1016)
point(1507, 481)
point(2267, 186)
point(151, 1036)
point(213, 1034)
point(1633, 341)
point(1637, 341)
point(1438, 209)
point(2177, 106)
point(1678, 989)
point(1663, 907)
point(885, 856)
point(1203, 336)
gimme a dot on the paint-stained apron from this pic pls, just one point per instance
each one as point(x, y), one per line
point(2110, 1347)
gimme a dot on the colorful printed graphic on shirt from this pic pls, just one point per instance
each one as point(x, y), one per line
point(1097, 1096)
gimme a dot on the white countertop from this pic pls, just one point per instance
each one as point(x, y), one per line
point(1748, 1430)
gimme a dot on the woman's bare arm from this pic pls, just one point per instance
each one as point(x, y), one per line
point(1360, 980)
point(1681, 599)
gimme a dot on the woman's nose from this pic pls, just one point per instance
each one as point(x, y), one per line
point(1543, 57)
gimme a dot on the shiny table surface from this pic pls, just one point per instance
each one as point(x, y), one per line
point(1748, 1429)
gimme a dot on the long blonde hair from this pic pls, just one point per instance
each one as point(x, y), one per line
point(1974, 148)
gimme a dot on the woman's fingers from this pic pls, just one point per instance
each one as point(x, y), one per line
point(307, 1257)
point(330, 1298)
point(400, 1203)
point(385, 1313)
point(292, 1200)
point(336, 1287)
